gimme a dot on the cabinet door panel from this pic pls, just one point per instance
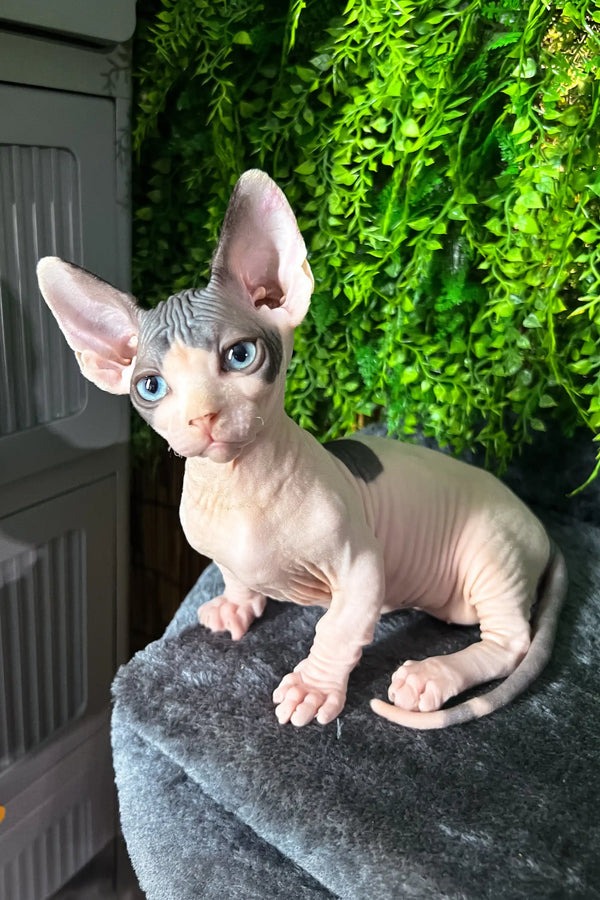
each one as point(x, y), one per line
point(57, 197)
point(100, 20)
point(57, 616)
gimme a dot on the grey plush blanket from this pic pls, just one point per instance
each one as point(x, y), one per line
point(219, 801)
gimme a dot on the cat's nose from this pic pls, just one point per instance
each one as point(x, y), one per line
point(204, 421)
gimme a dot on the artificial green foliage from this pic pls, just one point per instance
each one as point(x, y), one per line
point(442, 158)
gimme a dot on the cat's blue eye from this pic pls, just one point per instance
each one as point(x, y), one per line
point(151, 388)
point(240, 356)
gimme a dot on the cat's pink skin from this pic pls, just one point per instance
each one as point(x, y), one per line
point(284, 518)
point(429, 532)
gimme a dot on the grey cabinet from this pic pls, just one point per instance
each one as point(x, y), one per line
point(63, 444)
point(57, 198)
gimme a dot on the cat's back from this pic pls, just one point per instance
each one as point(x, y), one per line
point(439, 519)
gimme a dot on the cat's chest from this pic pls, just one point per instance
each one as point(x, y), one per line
point(260, 553)
point(235, 531)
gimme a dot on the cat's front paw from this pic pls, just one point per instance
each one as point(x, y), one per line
point(220, 614)
point(300, 699)
point(421, 686)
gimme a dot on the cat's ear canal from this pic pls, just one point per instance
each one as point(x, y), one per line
point(262, 251)
point(99, 322)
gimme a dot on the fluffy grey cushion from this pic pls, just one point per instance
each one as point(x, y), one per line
point(218, 800)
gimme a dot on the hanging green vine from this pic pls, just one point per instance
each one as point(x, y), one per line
point(442, 158)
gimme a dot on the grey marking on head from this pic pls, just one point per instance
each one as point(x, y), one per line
point(197, 318)
point(274, 345)
point(184, 318)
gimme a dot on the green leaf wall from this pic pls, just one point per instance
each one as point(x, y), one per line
point(442, 159)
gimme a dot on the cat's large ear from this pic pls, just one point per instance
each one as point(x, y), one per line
point(99, 322)
point(262, 250)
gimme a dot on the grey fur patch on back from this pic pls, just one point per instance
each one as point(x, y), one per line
point(357, 457)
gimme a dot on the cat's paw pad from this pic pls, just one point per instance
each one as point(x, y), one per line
point(299, 702)
point(220, 614)
point(421, 686)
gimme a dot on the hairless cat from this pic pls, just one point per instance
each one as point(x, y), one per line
point(360, 527)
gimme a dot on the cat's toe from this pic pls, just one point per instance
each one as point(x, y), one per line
point(418, 686)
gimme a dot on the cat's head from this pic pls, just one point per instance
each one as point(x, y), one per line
point(206, 368)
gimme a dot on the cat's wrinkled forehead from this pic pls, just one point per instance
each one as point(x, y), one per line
point(200, 319)
point(190, 317)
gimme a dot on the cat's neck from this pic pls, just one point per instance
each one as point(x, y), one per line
point(270, 460)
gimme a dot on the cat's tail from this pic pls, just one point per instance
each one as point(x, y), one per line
point(551, 597)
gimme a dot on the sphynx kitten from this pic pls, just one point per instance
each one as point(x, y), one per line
point(361, 528)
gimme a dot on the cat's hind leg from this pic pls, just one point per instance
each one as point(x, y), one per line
point(425, 685)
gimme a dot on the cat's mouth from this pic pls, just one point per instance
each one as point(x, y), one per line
point(216, 450)
point(224, 451)
point(222, 445)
